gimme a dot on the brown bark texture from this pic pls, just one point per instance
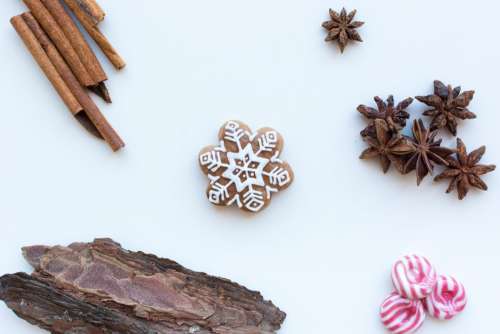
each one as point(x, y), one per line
point(45, 64)
point(56, 34)
point(92, 10)
point(75, 37)
point(101, 288)
point(90, 117)
point(96, 34)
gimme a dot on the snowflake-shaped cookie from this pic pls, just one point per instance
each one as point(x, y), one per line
point(245, 169)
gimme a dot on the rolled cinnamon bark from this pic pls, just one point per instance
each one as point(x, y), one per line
point(80, 45)
point(90, 117)
point(96, 34)
point(45, 64)
point(92, 10)
point(56, 34)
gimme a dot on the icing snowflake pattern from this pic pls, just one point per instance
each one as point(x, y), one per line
point(245, 169)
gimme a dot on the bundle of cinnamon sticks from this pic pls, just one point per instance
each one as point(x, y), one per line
point(60, 49)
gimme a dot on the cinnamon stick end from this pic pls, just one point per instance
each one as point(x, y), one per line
point(102, 91)
point(121, 65)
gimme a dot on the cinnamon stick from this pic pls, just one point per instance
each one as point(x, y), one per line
point(80, 45)
point(45, 64)
point(96, 34)
point(56, 34)
point(92, 10)
point(90, 117)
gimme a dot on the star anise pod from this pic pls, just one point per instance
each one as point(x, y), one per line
point(448, 105)
point(342, 28)
point(386, 145)
point(426, 151)
point(464, 171)
point(395, 117)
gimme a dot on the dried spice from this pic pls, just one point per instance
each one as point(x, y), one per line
point(59, 48)
point(426, 151)
point(464, 170)
point(92, 10)
point(51, 27)
point(342, 28)
point(448, 104)
point(423, 151)
point(99, 287)
point(395, 117)
point(387, 146)
point(62, 78)
point(90, 14)
point(80, 46)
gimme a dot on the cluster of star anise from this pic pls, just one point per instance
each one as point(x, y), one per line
point(422, 151)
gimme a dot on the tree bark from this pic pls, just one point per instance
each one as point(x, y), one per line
point(100, 288)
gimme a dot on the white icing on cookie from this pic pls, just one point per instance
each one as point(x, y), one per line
point(254, 169)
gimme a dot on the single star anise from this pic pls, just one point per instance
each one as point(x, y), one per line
point(426, 150)
point(386, 145)
point(464, 171)
point(448, 105)
point(342, 28)
point(395, 117)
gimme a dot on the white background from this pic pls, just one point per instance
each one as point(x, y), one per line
point(323, 249)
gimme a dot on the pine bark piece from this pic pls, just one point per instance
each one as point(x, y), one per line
point(56, 34)
point(80, 45)
point(91, 117)
point(96, 34)
point(99, 287)
point(46, 65)
point(50, 308)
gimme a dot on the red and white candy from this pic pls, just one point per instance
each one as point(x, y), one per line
point(447, 299)
point(414, 277)
point(400, 315)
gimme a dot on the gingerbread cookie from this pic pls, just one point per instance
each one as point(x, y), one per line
point(245, 169)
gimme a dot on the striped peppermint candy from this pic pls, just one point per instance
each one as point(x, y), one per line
point(413, 276)
point(447, 299)
point(400, 315)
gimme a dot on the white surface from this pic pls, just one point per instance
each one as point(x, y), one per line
point(322, 251)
